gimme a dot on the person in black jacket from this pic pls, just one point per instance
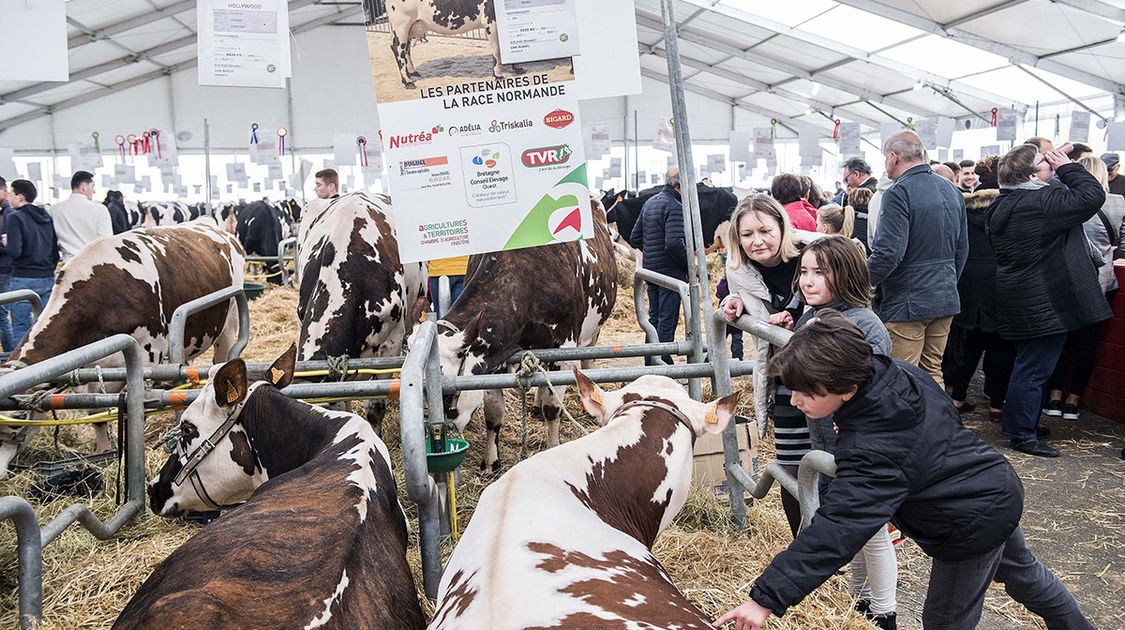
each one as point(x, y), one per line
point(902, 455)
point(118, 218)
point(6, 341)
point(29, 237)
point(974, 330)
point(1046, 280)
point(659, 234)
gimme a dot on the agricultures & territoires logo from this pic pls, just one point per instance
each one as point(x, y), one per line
point(546, 156)
point(558, 119)
point(410, 139)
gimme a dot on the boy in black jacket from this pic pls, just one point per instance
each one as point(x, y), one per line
point(903, 456)
point(29, 238)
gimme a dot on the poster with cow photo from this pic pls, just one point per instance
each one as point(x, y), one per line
point(481, 156)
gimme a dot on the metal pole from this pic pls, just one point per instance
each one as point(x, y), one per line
point(625, 145)
point(289, 134)
point(697, 261)
point(20, 295)
point(636, 153)
point(207, 165)
point(29, 547)
point(444, 296)
point(179, 321)
point(721, 386)
point(54, 158)
point(420, 487)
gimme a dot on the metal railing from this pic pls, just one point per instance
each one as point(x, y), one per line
point(176, 327)
point(22, 295)
point(280, 259)
point(30, 545)
point(692, 345)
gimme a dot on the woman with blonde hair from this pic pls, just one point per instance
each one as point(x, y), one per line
point(762, 263)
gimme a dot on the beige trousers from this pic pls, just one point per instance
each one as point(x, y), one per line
point(921, 343)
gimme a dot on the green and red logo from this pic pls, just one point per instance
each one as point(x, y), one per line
point(558, 119)
point(546, 156)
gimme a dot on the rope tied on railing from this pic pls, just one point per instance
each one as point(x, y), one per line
point(529, 365)
point(337, 367)
point(74, 380)
point(33, 401)
point(170, 437)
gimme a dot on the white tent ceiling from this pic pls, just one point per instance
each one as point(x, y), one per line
point(872, 61)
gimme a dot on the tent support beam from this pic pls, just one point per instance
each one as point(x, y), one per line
point(1067, 96)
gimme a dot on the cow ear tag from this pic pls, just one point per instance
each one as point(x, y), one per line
point(712, 417)
point(232, 393)
point(276, 375)
point(596, 395)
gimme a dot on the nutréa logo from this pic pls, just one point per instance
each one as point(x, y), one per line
point(487, 158)
point(546, 156)
point(422, 137)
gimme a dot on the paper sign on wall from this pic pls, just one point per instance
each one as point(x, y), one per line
point(740, 146)
point(35, 171)
point(1079, 126)
point(7, 164)
point(665, 138)
point(989, 149)
point(243, 44)
point(926, 128)
point(1006, 120)
point(1115, 138)
point(763, 143)
point(945, 127)
point(34, 43)
point(849, 139)
point(808, 141)
point(958, 155)
point(597, 140)
point(716, 163)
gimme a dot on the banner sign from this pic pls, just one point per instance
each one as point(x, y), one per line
point(479, 163)
point(243, 43)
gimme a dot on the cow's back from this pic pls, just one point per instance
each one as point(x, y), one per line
point(356, 296)
point(563, 293)
point(536, 538)
point(132, 283)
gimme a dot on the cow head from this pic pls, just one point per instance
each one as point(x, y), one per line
point(198, 477)
point(464, 353)
point(705, 418)
point(640, 463)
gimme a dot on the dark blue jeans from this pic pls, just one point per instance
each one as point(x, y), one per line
point(664, 315)
point(6, 340)
point(956, 590)
point(456, 283)
point(21, 311)
point(1035, 360)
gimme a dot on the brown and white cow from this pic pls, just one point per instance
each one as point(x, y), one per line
point(563, 540)
point(356, 299)
point(321, 540)
point(555, 296)
point(132, 283)
point(410, 20)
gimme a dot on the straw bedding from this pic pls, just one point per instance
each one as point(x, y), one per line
point(87, 582)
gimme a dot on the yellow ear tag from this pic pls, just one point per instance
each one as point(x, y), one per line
point(597, 395)
point(232, 395)
point(712, 417)
point(276, 375)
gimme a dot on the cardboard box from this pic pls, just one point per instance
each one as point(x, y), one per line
point(707, 468)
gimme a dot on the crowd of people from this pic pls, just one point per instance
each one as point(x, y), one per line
point(897, 286)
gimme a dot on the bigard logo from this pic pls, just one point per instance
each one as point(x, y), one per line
point(558, 119)
point(546, 156)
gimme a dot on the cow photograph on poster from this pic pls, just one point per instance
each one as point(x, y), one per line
point(409, 65)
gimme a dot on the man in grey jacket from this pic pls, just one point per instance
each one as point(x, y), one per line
point(920, 247)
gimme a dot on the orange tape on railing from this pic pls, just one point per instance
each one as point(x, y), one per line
point(193, 374)
point(177, 399)
point(393, 394)
point(56, 401)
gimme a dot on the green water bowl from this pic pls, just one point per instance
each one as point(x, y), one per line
point(450, 459)
point(253, 290)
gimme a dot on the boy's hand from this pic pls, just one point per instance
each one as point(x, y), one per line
point(749, 616)
point(732, 310)
point(783, 319)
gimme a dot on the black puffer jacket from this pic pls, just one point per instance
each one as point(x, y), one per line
point(659, 234)
point(1046, 283)
point(977, 285)
point(902, 456)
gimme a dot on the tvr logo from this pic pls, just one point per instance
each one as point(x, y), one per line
point(546, 156)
